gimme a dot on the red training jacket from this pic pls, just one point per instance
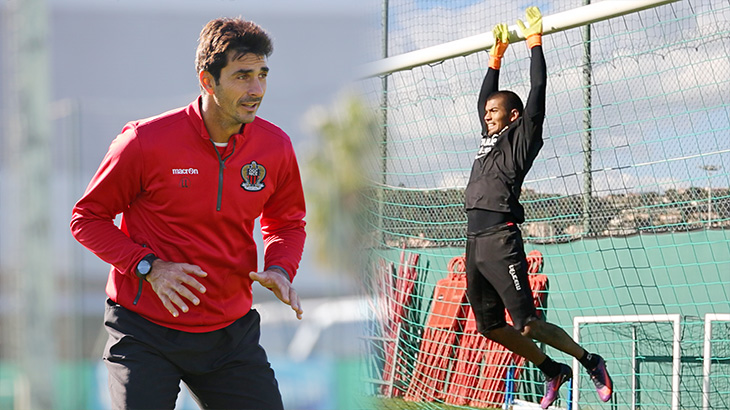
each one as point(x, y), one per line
point(185, 202)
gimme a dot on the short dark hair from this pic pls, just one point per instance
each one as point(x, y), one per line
point(510, 100)
point(222, 35)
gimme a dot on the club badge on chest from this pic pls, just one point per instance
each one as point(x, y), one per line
point(253, 175)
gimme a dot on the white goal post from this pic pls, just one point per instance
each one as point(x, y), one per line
point(676, 348)
point(707, 354)
point(553, 23)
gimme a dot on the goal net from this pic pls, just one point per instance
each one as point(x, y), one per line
point(627, 204)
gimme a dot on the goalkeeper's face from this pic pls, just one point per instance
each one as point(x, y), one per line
point(497, 117)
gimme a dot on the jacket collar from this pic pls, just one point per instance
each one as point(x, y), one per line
point(196, 118)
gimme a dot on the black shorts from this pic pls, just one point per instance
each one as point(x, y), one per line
point(496, 274)
point(223, 369)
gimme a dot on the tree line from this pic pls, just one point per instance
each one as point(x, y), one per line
point(438, 218)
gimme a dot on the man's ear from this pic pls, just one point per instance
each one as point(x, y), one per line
point(206, 79)
point(513, 115)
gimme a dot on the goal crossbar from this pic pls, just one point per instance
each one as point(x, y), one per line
point(553, 23)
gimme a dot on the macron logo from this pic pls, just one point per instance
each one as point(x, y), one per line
point(184, 171)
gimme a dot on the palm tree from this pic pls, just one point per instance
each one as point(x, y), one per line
point(336, 178)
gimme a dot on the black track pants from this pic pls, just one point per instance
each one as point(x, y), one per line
point(224, 369)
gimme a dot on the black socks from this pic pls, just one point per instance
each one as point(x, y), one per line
point(550, 367)
point(589, 361)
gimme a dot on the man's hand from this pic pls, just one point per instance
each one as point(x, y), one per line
point(532, 32)
point(501, 42)
point(279, 283)
point(168, 280)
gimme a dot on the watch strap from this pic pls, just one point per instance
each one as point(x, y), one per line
point(149, 258)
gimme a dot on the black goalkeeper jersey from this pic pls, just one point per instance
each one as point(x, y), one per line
point(504, 159)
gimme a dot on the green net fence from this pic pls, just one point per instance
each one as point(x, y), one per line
point(628, 205)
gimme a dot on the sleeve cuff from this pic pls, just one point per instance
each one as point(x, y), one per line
point(534, 40)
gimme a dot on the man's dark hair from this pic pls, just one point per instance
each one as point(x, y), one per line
point(222, 35)
point(510, 100)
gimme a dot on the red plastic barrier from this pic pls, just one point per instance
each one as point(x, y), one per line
point(490, 387)
point(439, 338)
point(456, 364)
point(399, 296)
point(469, 357)
point(481, 365)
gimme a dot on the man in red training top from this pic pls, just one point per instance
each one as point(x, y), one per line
point(189, 184)
point(496, 267)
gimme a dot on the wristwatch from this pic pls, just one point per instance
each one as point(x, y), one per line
point(144, 267)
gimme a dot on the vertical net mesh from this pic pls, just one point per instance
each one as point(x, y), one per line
point(630, 211)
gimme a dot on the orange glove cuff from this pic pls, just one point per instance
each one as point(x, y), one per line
point(534, 40)
point(495, 62)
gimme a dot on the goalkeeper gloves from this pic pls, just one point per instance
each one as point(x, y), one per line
point(501, 41)
point(533, 32)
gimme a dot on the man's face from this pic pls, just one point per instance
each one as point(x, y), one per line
point(241, 87)
point(497, 117)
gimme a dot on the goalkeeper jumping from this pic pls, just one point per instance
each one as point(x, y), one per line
point(496, 267)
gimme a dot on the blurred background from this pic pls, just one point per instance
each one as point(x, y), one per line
point(72, 73)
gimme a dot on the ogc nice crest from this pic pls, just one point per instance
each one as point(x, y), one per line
point(253, 175)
